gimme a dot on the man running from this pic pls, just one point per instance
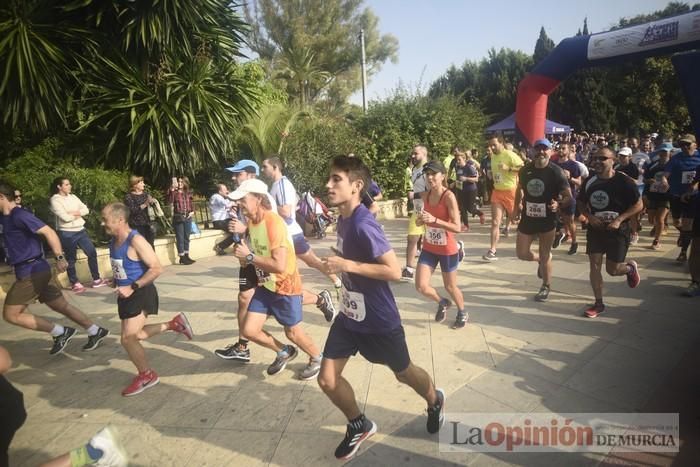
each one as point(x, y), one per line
point(370, 321)
point(279, 292)
point(135, 267)
point(22, 231)
point(504, 166)
point(572, 172)
point(543, 189)
point(419, 157)
point(285, 195)
point(609, 199)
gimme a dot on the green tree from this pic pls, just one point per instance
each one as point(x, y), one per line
point(295, 34)
point(543, 47)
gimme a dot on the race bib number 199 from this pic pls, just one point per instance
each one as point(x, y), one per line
point(352, 305)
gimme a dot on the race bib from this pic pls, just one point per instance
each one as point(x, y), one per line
point(687, 177)
point(459, 184)
point(118, 269)
point(262, 275)
point(497, 177)
point(436, 236)
point(607, 216)
point(352, 305)
point(535, 209)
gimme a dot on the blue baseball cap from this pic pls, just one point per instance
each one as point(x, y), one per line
point(245, 165)
point(543, 142)
point(667, 147)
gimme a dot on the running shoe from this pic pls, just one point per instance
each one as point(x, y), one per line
point(325, 304)
point(181, 324)
point(78, 288)
point(558, 237)
point(406, 275)
point(573, 249)
point(565, 239)
point(543, 294)
point(693, 290)
point(634, 239)
point(594, 310)
point(490, 256)
point(460, 251)
point(94, 340)
point(436, 415)
point(219, 251)
point(482, 218)
point(633, 274)
point(113, 454)
point(60, 342)
point(234, 352)
point(441, 312)
point(655, 245)
point(682, 257)
point(99, 283)
point(288, 353)
point(311, 369)
point(464, 229)
point(353, 438)
point(141, 382)
point(461, 320)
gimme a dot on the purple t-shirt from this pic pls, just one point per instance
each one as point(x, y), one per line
point(361, 238)
point(574, 172)
point(22, 243)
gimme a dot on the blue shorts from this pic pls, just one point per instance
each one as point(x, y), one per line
point(569, 210)
point(301, 246)
point(388, 349)
point(448, 263)
point(285, 308)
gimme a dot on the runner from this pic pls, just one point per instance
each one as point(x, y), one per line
point(22, 231)
point(370, 321)
point(284, 194)
point(220, 207)
point(279, 292)
point(572, 172)
point(135, 267)
point(543, 190)
point(693, 289)
point(608, 199)
point(440, 216)
point(467, 178)
point(656, 200)
point(504, 166)
point(419, 157)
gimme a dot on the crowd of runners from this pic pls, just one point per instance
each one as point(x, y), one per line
point(545, 194)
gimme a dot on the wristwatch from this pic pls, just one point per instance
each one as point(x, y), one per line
point(250, 257)
point(60, 258)
point(135, 286)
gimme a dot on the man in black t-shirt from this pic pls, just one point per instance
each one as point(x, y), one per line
point(537, 201)
point(609, 199)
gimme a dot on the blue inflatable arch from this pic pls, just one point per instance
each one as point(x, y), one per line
point(662, 37)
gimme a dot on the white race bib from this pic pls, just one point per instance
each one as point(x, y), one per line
point(459, 184)
point(436, 236)
point(497, 177)
point(607, 216)
point(352, 305)
point(687, 177)
point(535, 209)
point(118, 269)
point(262, 275)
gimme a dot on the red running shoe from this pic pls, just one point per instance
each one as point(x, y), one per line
point(633, 274)
point(594, 310)
point(182, 325)
point(141, 382)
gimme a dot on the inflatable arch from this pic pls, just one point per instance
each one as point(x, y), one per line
point(662, 37)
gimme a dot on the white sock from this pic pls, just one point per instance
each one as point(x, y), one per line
point(92, 330)
point(410, 269)
point(338, 283)
point(57, 330)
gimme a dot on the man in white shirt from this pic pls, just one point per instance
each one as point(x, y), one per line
point(285, 195)
point(221, 215)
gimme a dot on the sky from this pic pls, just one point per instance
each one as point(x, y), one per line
point(434, 34)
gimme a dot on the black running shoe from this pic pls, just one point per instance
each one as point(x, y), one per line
point(289, 353)
point(94, 341)
point(558, 237)
point(461, 320)
point(436, 415)
point(543, 294)
point(325, 304)
point(573, 249)
point(441, 310)
point(353, 438)
point(60, 342)
point(234, 352)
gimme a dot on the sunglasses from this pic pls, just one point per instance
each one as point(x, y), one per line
point(18, 196)
point(601, 158)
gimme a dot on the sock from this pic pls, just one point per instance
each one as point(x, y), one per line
point(317, 359)
point(338, 283)
point(284, 351)
point(357, 423)
point(598, 301)
point(82, 456)
point(57, 330)
point(629, 269)
point(410, 269)
point(92, 330)
point(243, 342)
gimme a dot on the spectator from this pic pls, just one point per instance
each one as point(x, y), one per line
point(138, 201)
point(180, 197)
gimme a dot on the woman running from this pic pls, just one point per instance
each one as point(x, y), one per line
point(440, 215)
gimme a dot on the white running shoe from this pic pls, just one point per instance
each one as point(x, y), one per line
point(113, 453)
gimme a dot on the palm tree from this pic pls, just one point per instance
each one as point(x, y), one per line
point(265, 131)
point(302, 75)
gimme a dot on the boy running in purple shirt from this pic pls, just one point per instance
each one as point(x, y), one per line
point(369, 320)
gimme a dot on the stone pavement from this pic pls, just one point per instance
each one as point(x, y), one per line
point(516, 355)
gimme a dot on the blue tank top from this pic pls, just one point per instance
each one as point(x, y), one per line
point(125, 269)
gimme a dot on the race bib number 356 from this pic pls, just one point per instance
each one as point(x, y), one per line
point(436, 236)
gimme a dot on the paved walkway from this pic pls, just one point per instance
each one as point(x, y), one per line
point(515, 355)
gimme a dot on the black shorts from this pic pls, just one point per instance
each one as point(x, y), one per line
point(387, 349)
point(529, 226)
point(613, 245)
point(144, 299)
point(681, 210)
point(657, 203)
point(247, 278)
